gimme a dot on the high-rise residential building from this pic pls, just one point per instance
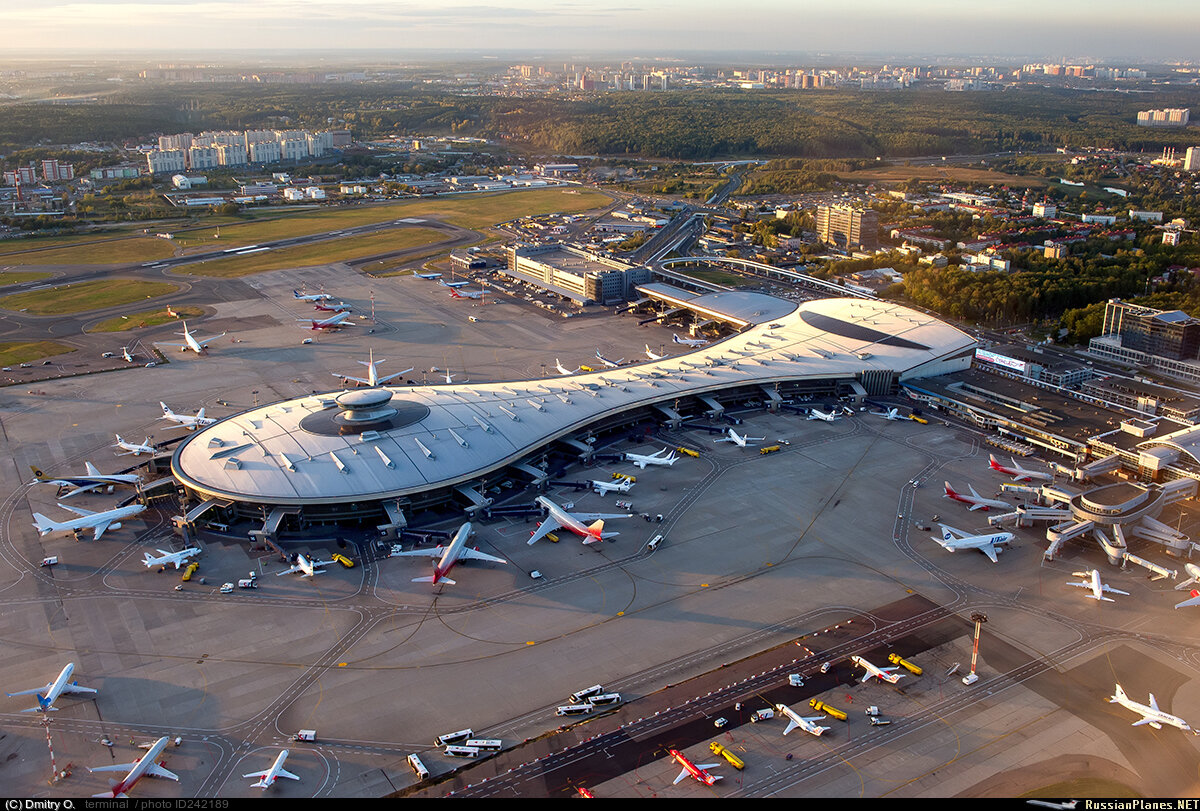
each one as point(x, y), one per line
point(848, 227)
point(182, 140)
point(171, 161)
point(53, 170)
point(1191, 159)
point(1170, 117)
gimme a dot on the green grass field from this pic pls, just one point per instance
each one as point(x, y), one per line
point(18, 276)
point(79, 298)
point(24, 351)
point(321, 253)
point(108, 252)
point(146, 318)
point(473, 211)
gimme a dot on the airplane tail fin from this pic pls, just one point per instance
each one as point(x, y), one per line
point(43, 524)
point(596, 531)
point(949, 489)
point(1118, 695)
point(37, 473)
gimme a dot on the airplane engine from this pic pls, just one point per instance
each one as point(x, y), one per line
point(115, 525)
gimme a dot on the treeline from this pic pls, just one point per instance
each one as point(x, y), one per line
point(684, 124)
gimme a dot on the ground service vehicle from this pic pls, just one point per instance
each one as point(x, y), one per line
point(461, 751)
point(762, 715)
point(485, 744)
point(604, 698)
point(309, 735)
point(418, 767)
point(247, 584)
point(896, 659)
point(189, 571)
point(574, 709)
point(689, 452)
point(342, 559)
point(453, 737)
point(654, 542)
point(768, 449)
point(734, 761)
point(796, 680)
point(821, 706)
point(580, 695)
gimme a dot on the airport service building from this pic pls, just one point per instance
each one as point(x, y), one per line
point(379, 456)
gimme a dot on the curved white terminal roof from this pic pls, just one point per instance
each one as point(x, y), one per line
point(440, 436)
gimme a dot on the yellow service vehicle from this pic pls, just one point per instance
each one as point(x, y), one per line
point(342, 559)
point(821, 706)
point(921, 420)
point(895, 659)
point(627, 477)
point(190, 570)
point(768, 449)
point(689, 452)
point(586, 369)
point(734, 761)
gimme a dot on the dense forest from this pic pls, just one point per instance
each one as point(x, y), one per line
point(684, 124)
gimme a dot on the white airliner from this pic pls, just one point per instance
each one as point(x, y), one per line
point(86, 483)
point(132, 448)
point(612, 364)
point(454, 284)
point(372, 378)
point(335, 321)
point(953, 540)
point(190, 342)
point(125, 353)
point(796, 720)
point(689, 341)
point(641, 460)
point(185, 420)
point(98, 522)
point(1018, 473)
point(1091, 580)
point(142, 767)
point(266, 778)
point(563, 370)
point(46, 696)
point(976, 501)
point(887, 674)
point(653, 355)
point(1151, 714)
point(306, 567)
point(818, 414)
point(739, 439)
point(312, 296)
point(178, 558)
point(1193, 571)
point(448, 556)
point(340, 307)
point(430, 276)
point(575, 522)
point(890, 414)
point(604, 488)
point(466, 293)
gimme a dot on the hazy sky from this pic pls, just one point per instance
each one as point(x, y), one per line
point(1064, 28)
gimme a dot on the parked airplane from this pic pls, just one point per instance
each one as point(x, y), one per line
point(976, 501)
point(653, 355)
point(190, 342)
point(98, 522)
point(125, 353)
point(890, 414)
point(563, 370)
point(92, 480)
point(430, 276)
point(268, 777)
point(1195, 600)
point(604, 488)
point(698, 772)
point(185, 420)
point(306, 567)
point(796, 720)
point(46, 696)
point(818, 414)
point(177, 558)
point(142, 767)
point(641, 460)
point(466, 293)
point(688, 341)
point(887, 674)
point(133, 448)
point(739, 439)
point(454, 284)
point(609, 363)
point(449, 555)
point(312, 296)
point(335, 321)
point(1151, 714)
point(340, 307)
point(1091, 580)
point(1193, 573)
point(372, 378)
point(1018, 473)
point(953, 540)
point(575, 522)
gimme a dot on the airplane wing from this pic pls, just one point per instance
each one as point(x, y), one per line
point(420, 553)
point(99, 530)
point(33, 691)
point(1153, 703)
point(288, 571)
point(682, 775)
point(1111, 590)
point(116, 767)
point(356, 380)
point(475, 554)
point(287, 774)
point(791, 725)
point(589, 517)
point(83, 489)
point(78, 510)
point(158, 771)
point(75, 688)
point(208, 341)
point(989, 550)
point(1193, 601)
point(1146, 720)
point(544, 529)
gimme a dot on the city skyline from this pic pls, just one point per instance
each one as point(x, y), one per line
point(1103, 29)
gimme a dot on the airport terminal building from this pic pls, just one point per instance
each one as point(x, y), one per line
point(379, 456)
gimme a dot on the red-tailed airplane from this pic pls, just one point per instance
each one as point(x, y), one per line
point(340, 307)
point(142, 767)
point(448, 556)
point(976, 501)
point(887, 674)
point(335, 321)
point(575, 522)
point(1018, 473)
point(466, 294)
point(699, 772)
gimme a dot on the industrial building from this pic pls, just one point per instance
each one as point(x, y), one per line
point(576, 274)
